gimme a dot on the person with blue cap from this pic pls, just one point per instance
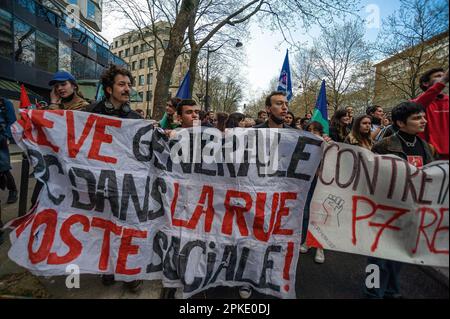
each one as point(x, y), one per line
point(65, 94)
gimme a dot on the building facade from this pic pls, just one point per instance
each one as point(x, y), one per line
point(397, 78)
point(142, 51)
point(37, 38)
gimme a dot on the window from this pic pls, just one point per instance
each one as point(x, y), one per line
point(127, 52)
point(47, 15)
point(102, 51)
point(133, 65)
point(99, 71)
point(117, 44)
point(24, 43)
point(142, 64)
point(90, 72)
point(90, 10)
point(29, 5)
point(134, 80)
point(92, 45)
point(62, 26)
point(46, 52)
point(6, 34)
point(149, 96)
point(77, 65)
point(64, 57)
point(136, 50)
point(150, 63)
point(141, 80)
point(123, 41)
point(145, 47)
point(141, 94)
point(79, 36)
point(121, 53)
point(150, 78)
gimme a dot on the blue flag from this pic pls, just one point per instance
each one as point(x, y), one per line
point(285, 83)
point(321, 111)
point(183, 91)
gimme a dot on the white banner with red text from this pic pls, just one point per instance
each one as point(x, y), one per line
point(381, 206)
point(196, 210)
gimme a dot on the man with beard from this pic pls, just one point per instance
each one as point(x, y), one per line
point(117, 84)
point(277, 108)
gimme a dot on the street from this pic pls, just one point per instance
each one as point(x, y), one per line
point(340, 277)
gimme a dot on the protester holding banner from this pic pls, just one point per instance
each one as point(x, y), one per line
point(339, 128)
point(117, 83)
point(317, 129)
point(65, 94)
point(189, 116)
point(436, 105)
point(409, 118)
point(360, 134)
point(277, 109)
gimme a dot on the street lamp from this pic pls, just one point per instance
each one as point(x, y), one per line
point(207, 99)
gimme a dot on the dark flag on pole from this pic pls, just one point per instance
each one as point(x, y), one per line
point(321, 111)
point(183, 91)
point(285, 83)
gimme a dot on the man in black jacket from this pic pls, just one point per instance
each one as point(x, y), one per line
point(277, 108)
point(409, 120)
point(117, 84)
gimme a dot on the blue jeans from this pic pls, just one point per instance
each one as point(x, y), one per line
point(389, 278)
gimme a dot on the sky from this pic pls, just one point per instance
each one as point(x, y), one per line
point(264, 61)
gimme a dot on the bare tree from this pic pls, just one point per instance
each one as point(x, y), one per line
point(407, 37)
point(226, 94)
point(207, 19)
point(338, 51)
point(303, 68)
point(362, 92)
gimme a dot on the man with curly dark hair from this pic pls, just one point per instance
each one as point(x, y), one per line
point(117, 83)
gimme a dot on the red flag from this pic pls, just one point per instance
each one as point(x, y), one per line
point(38, 106)
point(24, 99)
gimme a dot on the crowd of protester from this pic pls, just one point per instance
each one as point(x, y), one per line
point(416, 131)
